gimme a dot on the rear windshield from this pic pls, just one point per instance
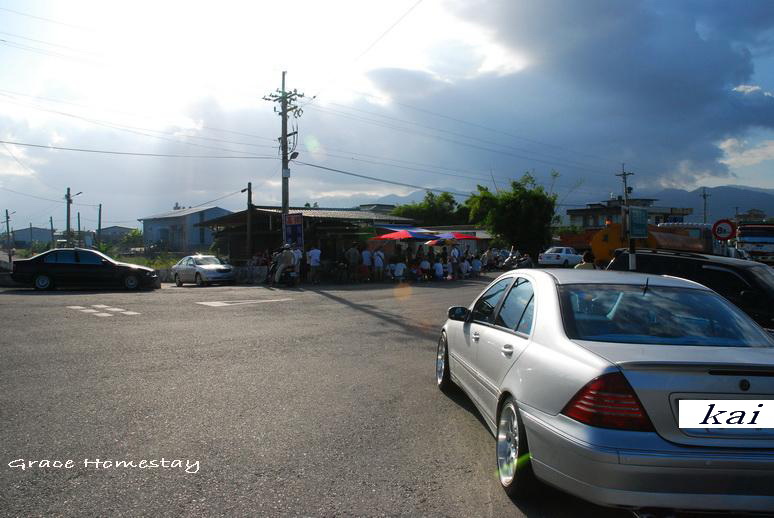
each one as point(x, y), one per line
point(656, 315)
point(554, 251)
point(765, 276)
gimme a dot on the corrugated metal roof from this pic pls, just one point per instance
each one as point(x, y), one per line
point(336, 213)
point(177, 213)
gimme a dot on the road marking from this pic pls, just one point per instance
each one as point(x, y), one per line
point(102, 311)
point(223, 303)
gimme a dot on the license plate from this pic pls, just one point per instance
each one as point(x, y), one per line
point(726, 413)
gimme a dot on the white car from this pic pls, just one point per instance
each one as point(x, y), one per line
point(202, 270)
point(559, 256)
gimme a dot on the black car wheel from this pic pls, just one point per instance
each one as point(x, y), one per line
point(131, 282)
point(178, 282)
point(43, 282)
point(199, 281)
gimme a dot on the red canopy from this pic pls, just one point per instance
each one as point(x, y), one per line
point(405, 234)
point(459, 236)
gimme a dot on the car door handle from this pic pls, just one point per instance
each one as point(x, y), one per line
point(507, 350)
point(475, 336)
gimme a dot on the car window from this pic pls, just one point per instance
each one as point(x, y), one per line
point(483, 311)
point(525, 324)
point(89, 258)
point(727, 283)
point(656, 315)
point(189, 261)
point(207, 260)
point(765, 277)
point(514, 308)
point(65, 257)
point(50, 258)
point(554, 251)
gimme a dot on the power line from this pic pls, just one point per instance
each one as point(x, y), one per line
point(49, 20)
point(30, 195)
point(129, 153)
point(390, 28)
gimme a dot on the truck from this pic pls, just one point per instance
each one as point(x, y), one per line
point(757, 240)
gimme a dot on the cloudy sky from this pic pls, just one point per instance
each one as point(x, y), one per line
point(436, 93)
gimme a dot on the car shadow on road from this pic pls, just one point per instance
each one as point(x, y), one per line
point(409, 326)
point(34, 292)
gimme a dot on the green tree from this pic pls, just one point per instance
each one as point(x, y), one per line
point(520, 216)
point(132, 240)
point(434, 210)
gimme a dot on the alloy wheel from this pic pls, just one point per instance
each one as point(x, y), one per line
point(131, 282)
point(507, 444)
point(440, 361)
point(42, 282)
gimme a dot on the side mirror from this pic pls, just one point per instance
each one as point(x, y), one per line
point(459, 313)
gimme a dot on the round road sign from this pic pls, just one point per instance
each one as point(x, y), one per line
point(724, 229)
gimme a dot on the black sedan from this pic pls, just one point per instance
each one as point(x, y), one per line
point(80, 267)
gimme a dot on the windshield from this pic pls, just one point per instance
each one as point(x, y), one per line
point(656, 315)
point(208, 259)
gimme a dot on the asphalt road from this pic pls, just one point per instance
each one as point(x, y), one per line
point(320, 405)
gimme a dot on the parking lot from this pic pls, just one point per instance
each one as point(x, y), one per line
point(294, 402)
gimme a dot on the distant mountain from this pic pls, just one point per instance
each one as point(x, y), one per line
point(722, 202)
point(412, 197)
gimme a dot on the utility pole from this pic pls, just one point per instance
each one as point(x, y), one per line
point(286, 100)
point(53, 239)
point(632, 247)
point(69, 199)
point(705, 196)
point(79, 228)
point(30, 237)
point(736, 214)
point(249, 240)
point(8, 234)
point(99, 225)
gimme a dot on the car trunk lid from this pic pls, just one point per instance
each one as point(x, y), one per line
point(695, 373)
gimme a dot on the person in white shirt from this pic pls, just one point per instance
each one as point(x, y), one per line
point(297, 255)
point(424, 266)
point(379, 264)
point(400, 270)
point(438, 270)
point(454, 257)
point(313, 258)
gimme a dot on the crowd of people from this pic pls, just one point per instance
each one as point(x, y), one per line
point(361, 263)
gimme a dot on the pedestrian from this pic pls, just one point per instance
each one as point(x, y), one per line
point(475, 266)
point(424, 267)
point(379, 264)
point(352, 256)
point(400, 270)
point(455, 262)
point(297, 260)
point(285, 262)
point(313, 259)
point(438, 270)
point(366, 261)
point(587, 262)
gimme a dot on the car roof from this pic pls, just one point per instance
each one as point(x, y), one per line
point(720, 259)
point(582, 276)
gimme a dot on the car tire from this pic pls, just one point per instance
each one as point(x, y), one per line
point(178, 282)
point(131, 282)
point(42, 282)
point(199, 281)
point(512, 458)
point(442, 373)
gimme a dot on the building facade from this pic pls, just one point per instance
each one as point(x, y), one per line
point(24, 237)
point(598, 215)
point(114, 234)
point(177, 230)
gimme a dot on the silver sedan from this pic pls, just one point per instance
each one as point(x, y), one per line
point(202, 270)
point(580, 375)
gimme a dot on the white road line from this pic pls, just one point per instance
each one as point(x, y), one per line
point(129, 313)
point(102, 315)
point(114, 309)
point(99, 306)
point(223, 303)
point(90, 311)
point(76, 307)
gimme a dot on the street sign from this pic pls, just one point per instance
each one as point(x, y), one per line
point(724, 229)
point(638, 223)
point(294, 229)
